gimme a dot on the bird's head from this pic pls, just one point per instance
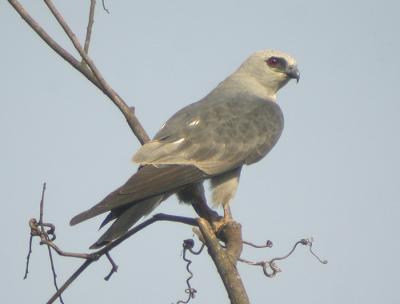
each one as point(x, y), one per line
point(271, 69)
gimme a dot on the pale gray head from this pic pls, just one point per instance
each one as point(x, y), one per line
point(271, 69)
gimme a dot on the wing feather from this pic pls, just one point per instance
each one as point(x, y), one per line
point(224, 136)
point(149, 181)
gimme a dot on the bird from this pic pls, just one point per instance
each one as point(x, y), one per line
point(236, 124)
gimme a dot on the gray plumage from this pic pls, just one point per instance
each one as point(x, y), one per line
point(237, 124)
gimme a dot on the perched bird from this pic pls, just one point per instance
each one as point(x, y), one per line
point(236, 124)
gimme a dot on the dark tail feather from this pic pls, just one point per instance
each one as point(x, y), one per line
point(126, 219)
point(112, 215)
point(149, 181)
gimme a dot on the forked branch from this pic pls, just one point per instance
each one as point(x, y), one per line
point(91, 73)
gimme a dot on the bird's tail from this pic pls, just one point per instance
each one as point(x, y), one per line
point(148, 182)
point(127, 219)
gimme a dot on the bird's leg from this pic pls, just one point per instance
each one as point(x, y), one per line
point(227, 213)
point(194, 194)
point(202, 209)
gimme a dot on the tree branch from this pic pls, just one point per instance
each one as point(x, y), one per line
point(225, 264)
point(89, 26)
point(91, 74)
point(92, 257)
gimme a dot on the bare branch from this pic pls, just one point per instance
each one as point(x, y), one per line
point(42, 205)
point(89, 26)
point(45, 235)
point(91, 74)
point(53, 44)
point(114, 267)
point(90, 258)
point(70, 280)
point(53, 270)
point(28, 257)
point(225, 266)
point(123, 107)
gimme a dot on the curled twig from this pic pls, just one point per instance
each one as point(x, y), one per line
point(310, 243)
point(47, 235)
point(268, 244)
point(92, 257)
point(270, 267)
point(188, 246)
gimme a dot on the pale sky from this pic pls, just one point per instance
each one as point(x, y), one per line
point(334, 174)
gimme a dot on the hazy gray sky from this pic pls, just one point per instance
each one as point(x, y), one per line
point(334, 174)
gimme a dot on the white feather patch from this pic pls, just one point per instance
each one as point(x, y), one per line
point(179, 141)
point(194, 123)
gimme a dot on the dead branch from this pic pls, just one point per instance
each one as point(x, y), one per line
point(89, 26)
point(92, 257)
point(225, 265)
point(28, 257)
point(91, 73)
point(114, 267)
point(39, 229)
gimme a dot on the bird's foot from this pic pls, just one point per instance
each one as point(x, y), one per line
point(219, 222)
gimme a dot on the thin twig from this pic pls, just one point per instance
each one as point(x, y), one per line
point(117, 100)
point(132, 120)
point(28, 257)
point(45, 235)
point(53, 44)
point(104, 6)
point(54, 273)
point(188, 246)
point(268, 244)
point(70, 280)
point(310, 243)
point(89, 26)
point(266, 265)
point(42, 206)
point(90, 258)
point(114, 267)
point(45, 239)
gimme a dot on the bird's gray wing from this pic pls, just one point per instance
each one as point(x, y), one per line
point(216, 136)
point(147, 182)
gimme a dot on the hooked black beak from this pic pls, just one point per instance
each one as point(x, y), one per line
point(293, 73)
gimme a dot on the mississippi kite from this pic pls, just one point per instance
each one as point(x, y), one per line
point(236, 124)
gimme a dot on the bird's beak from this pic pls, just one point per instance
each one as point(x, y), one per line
point(293, 73)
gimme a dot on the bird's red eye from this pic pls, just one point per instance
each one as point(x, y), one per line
point(273, 62)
